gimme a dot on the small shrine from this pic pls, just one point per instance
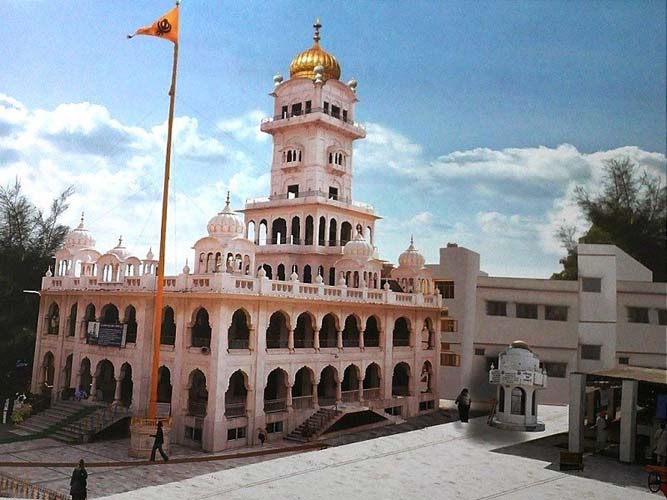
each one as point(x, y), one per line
point(518, 377)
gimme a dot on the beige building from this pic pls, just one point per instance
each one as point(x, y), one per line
point(614, 315)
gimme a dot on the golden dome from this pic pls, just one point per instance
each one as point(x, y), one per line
point(304, 64)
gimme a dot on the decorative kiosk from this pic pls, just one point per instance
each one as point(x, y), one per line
point(518, 378)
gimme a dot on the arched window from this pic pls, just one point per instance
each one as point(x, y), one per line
point(164, 385)
point(501, 400)
point(302, 390)
point(131, 321)
point(321, 232)
point(401, 332)
point(110, 315)
point(268, 270)
point(309, 230)
point(71, 327)
point(201, 330)
point(534, 403)
point(236, 397)
point(263, 232)
point(304, 333)
point(332, 233)
point(279, 231)
point(372, 387)
point(281, 272)
point(518, 401)
point(296, 230)
point(197, 394)
point(329, 331)
point(351, 332)
point(307, 274)
point(238, 334)
point(252, 231)
point(372, 332)
point(328, 386)
point(277, 332)
point(350, 385)
point(53, 319)
point(168, 329)
point(345, 232)
point(275, 392)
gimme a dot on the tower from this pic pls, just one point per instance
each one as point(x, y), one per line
point(310, 213)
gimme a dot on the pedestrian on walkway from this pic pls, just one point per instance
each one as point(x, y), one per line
point(463, 402)
point(261, 435)
point(600, 432)
point(79, 482)
point(660, 447)
point(157, 445)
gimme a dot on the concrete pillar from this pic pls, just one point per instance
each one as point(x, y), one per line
point(290, 340)
point(289, 398)
point(576, 412)
point(628, 421)
point(316, 339)
point(339, 340)
point(316, 231)
point(339, 395)
point(361, 388)
point(93, 388)
point(116, 394)
point(361, 339)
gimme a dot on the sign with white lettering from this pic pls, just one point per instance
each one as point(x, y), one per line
point(106, 334)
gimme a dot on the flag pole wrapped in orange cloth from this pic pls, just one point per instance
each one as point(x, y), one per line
point(166, 26)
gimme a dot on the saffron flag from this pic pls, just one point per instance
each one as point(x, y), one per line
point(166, 26)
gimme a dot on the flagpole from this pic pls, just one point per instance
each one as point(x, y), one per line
point(157, 317)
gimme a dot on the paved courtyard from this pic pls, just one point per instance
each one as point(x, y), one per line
point(428, 456)
point(454, 460)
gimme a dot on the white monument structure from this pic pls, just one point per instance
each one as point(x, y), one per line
point(518, 378)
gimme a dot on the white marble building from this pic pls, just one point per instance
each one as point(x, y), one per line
point(279, 315)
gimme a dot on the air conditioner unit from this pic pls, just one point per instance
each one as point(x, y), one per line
point(205, 350)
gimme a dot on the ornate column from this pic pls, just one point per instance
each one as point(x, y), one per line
point(339, 390)
point(316, 230)
point(116, 394)
point(93, 388)
point(339, 339)
point(361, 339)
point(361, 389)
point(316, 339)
point(289, 398)
point(290, 340)
point(316, 402)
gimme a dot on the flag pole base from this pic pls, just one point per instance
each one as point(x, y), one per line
point(141, 442)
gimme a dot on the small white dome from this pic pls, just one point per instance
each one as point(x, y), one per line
point(119, 250)
point(186, 268)
point(358, 247)
point(149, 255)
point(411, 257)
point(225, 223)
point(79, 237)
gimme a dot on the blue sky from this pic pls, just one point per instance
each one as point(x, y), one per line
point(481, 116)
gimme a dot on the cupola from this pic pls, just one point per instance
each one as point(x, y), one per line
point(225, 223)
point(304, 64)
point(411, 258)
point(79, 237)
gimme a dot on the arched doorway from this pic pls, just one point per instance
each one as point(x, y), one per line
point(427, 334)
point(401, 335)
point(53, 319)
point(275, 392)
point(372, 387)
point(126, 385)
point(518, 404)
point(302, 390)
point(48, 373)
point(86, 377)
point(197, 394)
point(110, 315)
point(345, 233)
point(279, 231)
point(350, 384)
point(131, 321)
point(168, 328)
point(327, 389)
point(67, 392)
point(426, 377)
point(105, 382)
point(400, 380)
point(164, 385)
point(201, 329)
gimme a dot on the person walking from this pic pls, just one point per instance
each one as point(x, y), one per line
point(463, 403)
point(660, 448)
point(157, 445)
point(261, 435)
point(600, 432)
point(79, 482)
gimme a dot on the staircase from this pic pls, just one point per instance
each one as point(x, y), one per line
point(316, 424)
point(72, 421)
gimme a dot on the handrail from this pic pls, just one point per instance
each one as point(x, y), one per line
point(338, 116)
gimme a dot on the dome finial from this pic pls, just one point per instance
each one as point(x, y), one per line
point(412, 240)
point(120, 240)
point(317, 27)
point(227, 198)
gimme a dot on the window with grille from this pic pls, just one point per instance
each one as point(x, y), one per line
point(638, 314)
point(590, 351)
point(274, 427)
point(555, 370)
point(527, 311)
point(555, 313)
point(495, 308)
point(449, 359)
point(591, 285)
point(446, 289)
point(449, 325)
point(236, 433)
point(479, 351)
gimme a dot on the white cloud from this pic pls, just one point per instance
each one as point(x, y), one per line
point(244, 127)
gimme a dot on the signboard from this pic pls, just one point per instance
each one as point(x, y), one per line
point(494, 377)
point(106, 334)
point(509, 378)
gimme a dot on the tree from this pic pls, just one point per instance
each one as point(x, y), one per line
point(28, 240)
point(630, 212)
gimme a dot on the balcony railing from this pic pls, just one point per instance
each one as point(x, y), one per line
point(349, 396)
point(303, 343)
point(276, 343)
point(401, 342)
point(239, 343)
point(371, 341)
point(197, 408)
point(338, 115)
point(201, 341)
point(275, 405)
point(400, 390)
point(235, 410)
point(371, 394)
point(302, 402)
point(351, 342)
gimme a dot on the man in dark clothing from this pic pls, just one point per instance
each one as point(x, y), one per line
point(79, 482)
point(157, 445)
point(463, 402)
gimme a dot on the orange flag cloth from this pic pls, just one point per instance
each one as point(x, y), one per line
point(165, 26)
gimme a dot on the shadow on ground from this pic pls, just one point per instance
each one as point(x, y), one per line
point(600, 468)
